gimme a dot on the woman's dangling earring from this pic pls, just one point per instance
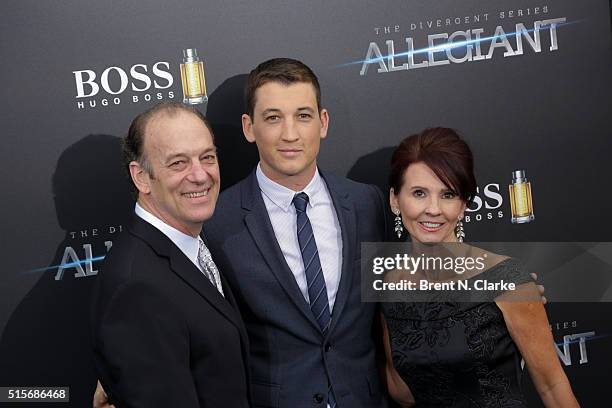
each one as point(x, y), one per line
point(399, 227)
point(459, 232)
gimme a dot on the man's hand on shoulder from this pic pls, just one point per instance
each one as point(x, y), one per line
point(540, 287)
point(100, 399)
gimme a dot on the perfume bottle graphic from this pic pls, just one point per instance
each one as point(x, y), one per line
point(520, 198)
point(192, 77)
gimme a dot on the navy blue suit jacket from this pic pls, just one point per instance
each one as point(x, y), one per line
point(291, 359)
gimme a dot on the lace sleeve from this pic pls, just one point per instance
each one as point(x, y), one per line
point(510, 270)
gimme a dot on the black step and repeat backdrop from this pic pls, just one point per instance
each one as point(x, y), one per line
point(528, 83)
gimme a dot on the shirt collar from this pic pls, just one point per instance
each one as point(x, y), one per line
point(186, 243)
point(282, 196)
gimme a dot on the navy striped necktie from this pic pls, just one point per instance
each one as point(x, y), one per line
point(317, 290)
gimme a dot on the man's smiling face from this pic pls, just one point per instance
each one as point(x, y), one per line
point(183, 186)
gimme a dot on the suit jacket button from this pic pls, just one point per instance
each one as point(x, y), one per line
point(318, 398)
point(327, 347)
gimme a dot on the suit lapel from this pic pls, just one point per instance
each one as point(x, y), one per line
point(259, 226)
point(229, 296)
point(183, 267)
point(346, 219)
point(244, 340)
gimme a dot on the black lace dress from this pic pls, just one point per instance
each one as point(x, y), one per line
point(455, 354)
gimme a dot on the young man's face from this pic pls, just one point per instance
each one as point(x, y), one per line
point(287, 128)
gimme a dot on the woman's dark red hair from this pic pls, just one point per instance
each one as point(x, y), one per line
point(442, 150)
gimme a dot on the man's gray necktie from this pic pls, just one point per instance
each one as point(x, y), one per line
point(209, 267)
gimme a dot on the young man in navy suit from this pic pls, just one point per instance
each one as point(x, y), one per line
point(288, 239)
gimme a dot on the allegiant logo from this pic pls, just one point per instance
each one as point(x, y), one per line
point(106, 87)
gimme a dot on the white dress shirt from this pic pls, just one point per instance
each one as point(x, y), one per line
point(186, 243)
point(325, 227)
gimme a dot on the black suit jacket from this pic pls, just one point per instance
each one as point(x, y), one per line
point(291, 360)
point(163, 335)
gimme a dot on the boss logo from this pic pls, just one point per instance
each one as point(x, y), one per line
point(116, 80)
point(489, 200)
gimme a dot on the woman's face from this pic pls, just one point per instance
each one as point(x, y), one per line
point(429, 209)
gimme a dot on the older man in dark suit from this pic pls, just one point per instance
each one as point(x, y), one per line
point(165, 327)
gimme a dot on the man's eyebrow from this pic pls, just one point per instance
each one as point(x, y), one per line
point(172, 156)
point(306, 108)
point(210, 149)
point(270, 110)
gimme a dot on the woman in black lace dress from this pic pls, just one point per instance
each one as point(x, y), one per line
point(460, 354)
